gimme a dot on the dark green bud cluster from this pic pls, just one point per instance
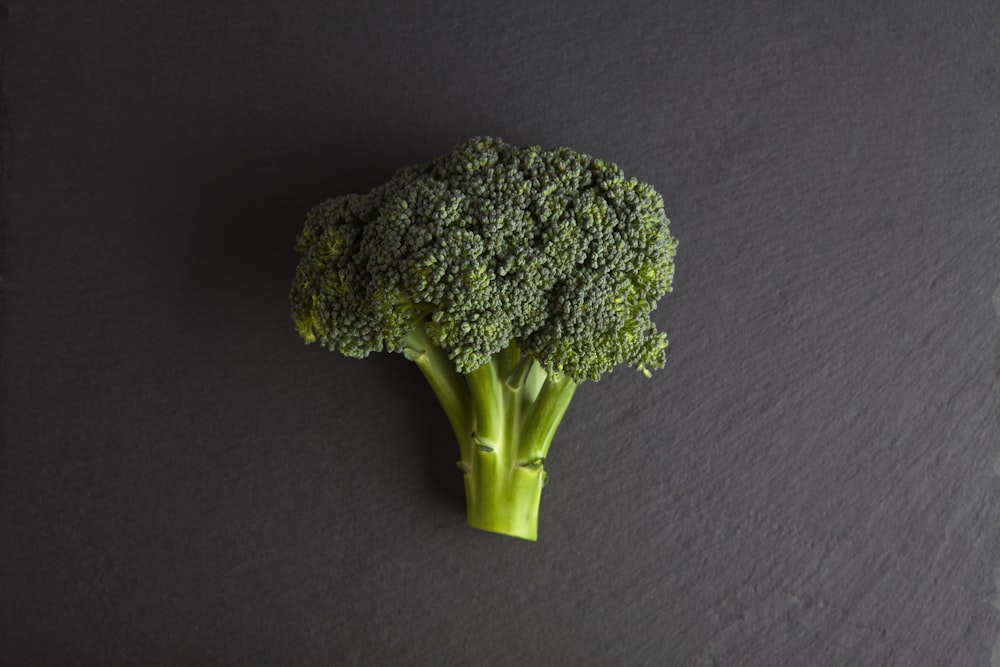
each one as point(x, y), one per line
point(492, 244)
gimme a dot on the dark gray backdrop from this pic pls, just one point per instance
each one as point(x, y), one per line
point(810, 481)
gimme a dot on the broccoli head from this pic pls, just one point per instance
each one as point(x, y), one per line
point(509, 275)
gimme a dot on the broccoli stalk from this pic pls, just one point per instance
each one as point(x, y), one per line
point(505, 414)
point(508, 276)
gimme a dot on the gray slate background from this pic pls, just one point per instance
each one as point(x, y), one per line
point(811, 481)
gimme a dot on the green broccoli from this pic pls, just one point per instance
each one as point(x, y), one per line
point(509, 275)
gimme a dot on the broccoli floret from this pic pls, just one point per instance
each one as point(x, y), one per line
point(509, 275)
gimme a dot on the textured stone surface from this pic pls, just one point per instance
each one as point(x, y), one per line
point(811, 481)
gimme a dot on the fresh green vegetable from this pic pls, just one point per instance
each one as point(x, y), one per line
point(508, 275)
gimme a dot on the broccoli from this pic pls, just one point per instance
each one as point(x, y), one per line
point(508, 275)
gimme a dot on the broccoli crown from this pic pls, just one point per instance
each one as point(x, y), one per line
point(492, 244)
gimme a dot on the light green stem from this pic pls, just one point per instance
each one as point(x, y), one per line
point(504, 431)
point(543, 416)
point(448, 385)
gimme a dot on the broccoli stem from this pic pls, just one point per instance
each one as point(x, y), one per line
point(504, 430)
point(449, 387)
point(544, 415)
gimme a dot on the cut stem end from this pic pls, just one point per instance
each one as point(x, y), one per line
point(507, 505)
